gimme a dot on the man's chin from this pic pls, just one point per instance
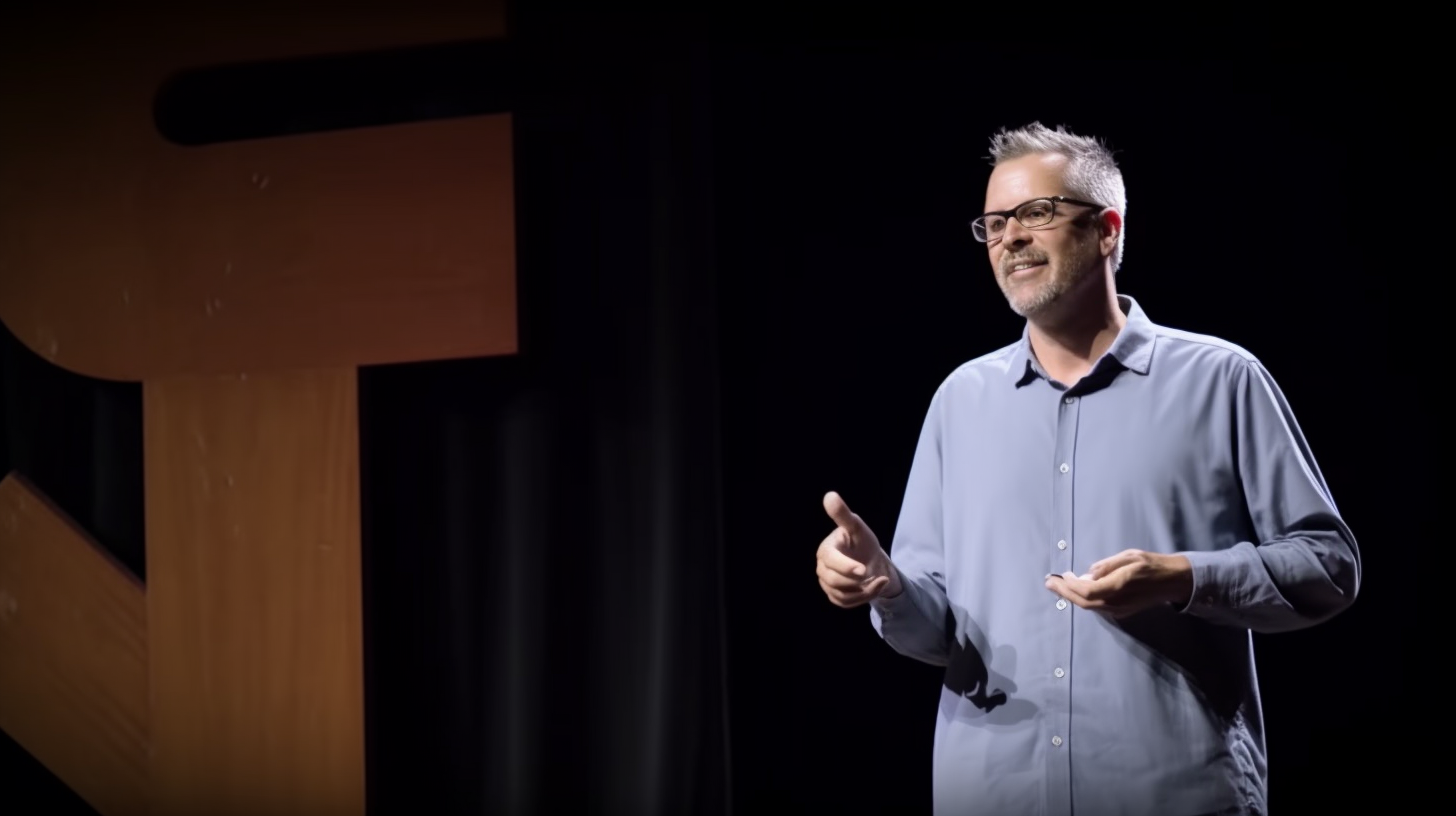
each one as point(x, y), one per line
point(1029, 306)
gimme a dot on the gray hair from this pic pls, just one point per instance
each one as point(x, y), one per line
point(1092, 173)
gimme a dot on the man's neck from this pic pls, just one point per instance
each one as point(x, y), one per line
point(1069, 343)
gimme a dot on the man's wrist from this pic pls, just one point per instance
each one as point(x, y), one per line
point(895, 585)
point(1180, 580)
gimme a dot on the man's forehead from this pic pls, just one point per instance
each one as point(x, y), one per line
point(1027, 177)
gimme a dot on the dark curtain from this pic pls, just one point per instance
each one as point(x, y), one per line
point(543, 532)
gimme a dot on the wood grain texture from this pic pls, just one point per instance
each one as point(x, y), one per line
point(253, 591)
point(73, 654)
point(123, 256)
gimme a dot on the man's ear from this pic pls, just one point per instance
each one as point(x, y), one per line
point(1110, 224)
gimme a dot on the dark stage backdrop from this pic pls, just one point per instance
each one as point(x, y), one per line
point(744, 269)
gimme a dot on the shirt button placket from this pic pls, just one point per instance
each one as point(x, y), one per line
point(1061, 558)
point(1058, 721)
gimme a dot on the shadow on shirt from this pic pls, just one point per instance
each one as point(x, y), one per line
point(969, 676)
point(1216, 662)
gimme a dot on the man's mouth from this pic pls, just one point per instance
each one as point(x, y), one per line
point(1022, 266)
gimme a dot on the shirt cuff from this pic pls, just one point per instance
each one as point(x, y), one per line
point(890, 608)
point(1219, 578)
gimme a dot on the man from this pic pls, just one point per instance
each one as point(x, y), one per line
point(1096, 518)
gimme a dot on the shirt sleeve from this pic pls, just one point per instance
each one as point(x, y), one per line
point(1304, 566)
point(913, 622)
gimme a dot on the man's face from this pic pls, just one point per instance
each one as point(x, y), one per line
point(1037, 267)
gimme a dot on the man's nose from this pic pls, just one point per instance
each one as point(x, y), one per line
point(1015, 235)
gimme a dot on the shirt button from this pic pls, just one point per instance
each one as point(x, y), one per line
point(1065, 467)
point(1058, 672)
point(1057, 741)
point(1062, 545)
point(1069, 400)
point(1061, 603)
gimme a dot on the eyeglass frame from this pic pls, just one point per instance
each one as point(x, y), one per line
point(1011, 213)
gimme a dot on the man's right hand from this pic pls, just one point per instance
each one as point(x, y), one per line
point(853, 568)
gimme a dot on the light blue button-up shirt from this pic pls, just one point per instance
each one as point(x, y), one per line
point(1174, 443)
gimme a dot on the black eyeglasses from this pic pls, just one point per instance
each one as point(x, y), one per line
point(1037, 212)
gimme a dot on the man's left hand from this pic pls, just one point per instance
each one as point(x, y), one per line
point(1128, 582)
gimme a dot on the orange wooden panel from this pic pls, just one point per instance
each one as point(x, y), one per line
point(123, 256)
point(73, 654)
point(253, 591)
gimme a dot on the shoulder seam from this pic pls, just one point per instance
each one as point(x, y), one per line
point(1209, 341)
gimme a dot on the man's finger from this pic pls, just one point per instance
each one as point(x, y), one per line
point(850, 598)
point(840, 512)
point(1084, 586)
point(1062, 585)
point(835, 559)
point(1112, 562)
point(839, 580)
point(845, 598)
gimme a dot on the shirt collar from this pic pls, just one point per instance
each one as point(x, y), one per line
point(1133, 347)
